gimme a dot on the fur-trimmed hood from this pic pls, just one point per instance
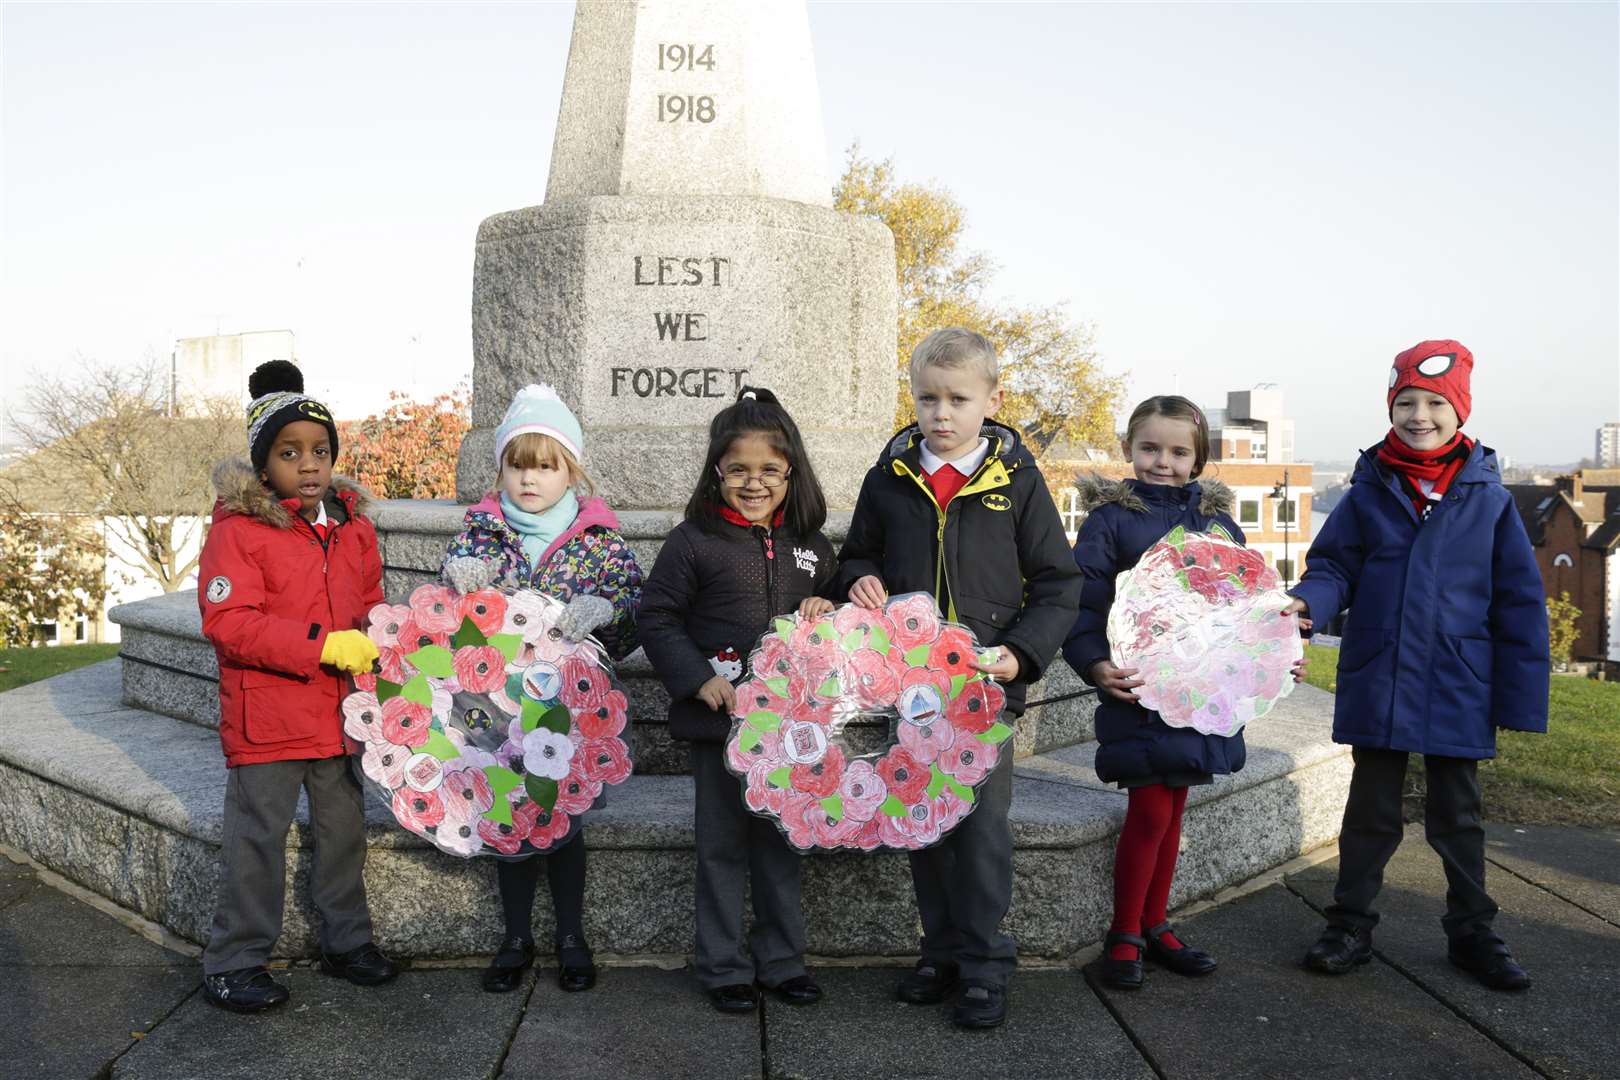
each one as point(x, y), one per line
point(240, 491)
point(1214, 497)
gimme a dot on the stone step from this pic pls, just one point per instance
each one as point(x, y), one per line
point(170, 669)
point(127, 802)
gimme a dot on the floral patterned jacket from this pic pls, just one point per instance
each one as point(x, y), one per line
point(589, 557)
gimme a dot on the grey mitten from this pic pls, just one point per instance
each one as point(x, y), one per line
point(585, 613)
point(467, 574)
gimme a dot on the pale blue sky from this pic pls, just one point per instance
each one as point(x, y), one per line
point(1232, 194)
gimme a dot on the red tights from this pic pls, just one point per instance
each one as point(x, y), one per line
point(1145, 863)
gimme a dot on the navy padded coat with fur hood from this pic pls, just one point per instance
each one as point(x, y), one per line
point(1124, 518)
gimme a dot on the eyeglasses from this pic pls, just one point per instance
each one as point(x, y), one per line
point(770, 479)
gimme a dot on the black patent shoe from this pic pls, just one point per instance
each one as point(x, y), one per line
point(1183, 961)
point(363, 966)
point(1485, 956)
point(982, 1005)
point(928, 984)
point(799, 990)
point(576, 969)
point(245, 990)
point(1121, 974)
point(1339, 949)
point(736, 998)
point(505, 972)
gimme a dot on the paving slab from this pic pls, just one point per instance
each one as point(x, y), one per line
point(1581, 865)
point(425, 1023)
point(72, 1021)
point(49, 928)
point(1056, 1027)
point(1262, 1014)
point(637, 1023)
point(17, 880)
point(1565, 1023)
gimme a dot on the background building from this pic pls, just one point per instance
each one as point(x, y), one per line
point(219, 366)
point(1574, 525)
point(1607, 453)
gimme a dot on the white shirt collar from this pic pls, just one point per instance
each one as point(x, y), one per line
point(967, 464)
point(320, 513)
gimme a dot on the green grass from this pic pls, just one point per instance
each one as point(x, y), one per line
point(19, 667)
point(1569, 776)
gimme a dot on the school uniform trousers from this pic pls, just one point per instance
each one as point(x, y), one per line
point(737, 847)
point(964, 886)
point(259, 803)
point(1372, 831)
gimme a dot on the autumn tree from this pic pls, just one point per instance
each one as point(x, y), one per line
point(111, 443)
point(50, 568)
point(1562, 620)
point(408, 451)
point(1056, 389)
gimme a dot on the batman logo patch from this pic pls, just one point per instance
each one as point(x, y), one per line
point(997, 501)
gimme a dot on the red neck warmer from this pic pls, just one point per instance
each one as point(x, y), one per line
point(1439, 467)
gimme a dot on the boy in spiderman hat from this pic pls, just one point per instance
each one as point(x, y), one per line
point(1446, 641)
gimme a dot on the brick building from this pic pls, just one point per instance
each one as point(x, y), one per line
point(1574, 524)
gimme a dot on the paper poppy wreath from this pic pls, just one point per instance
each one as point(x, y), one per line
point(808, 678)
point(485, 730)
point(1199, 616)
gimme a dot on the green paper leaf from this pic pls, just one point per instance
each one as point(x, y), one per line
point(747, 739)
point(834, 805)
point(418, 690)
point(853, 640)
point(764, 720)
point(957, 682)
point(995, 733)
point(782, 778)
point(825, 631)
point(434, 660)
point(1186, 584)
point(440, 747)
point(1220, 530)
point(386, 690)
point(500, 813)
point(532, 711)
point(878, 638)
point(557, 718)
point(917, 657)
point(467, 634)
point(893, 806)
point(963, 792)
point(830, 688)
point(936, 784)
point(1177, 537)
point(777, 686)
point(501, 781)
point(509, 644)
point(542, 790)
point(784, 628)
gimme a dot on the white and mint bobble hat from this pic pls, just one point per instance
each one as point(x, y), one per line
point(537, 408)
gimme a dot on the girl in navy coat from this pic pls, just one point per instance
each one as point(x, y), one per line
point(1167, 442)
point(1446, 642)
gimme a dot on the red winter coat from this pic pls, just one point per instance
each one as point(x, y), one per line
point(269, 593)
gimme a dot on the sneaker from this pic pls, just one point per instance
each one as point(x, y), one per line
point(928, 984)
point(1485, 956)
point(364, 965)
point(983, 1004)
point(1339, 950)
point(245, 990)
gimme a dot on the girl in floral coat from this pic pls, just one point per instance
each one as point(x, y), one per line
point(535, 531)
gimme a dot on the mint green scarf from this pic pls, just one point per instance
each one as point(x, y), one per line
point(537, 532)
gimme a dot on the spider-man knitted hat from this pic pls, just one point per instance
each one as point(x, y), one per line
point(1442, 366)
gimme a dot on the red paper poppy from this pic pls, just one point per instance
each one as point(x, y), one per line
point(773, 659)
point(953, 653)
point(413, 636)
point(405, 723)
point(486, 608)
point(418, 811)
point(915, 621)
point(585, 686)
point(605, 760)
point(549, 828)
point(976, 707)
point(754, 696)
point(904, 776)
point(606, 719)
point(822, 778)
point(504, 838)
point(479, 668)
point(872, 679)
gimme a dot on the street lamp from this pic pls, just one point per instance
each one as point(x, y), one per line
point(1280, 492)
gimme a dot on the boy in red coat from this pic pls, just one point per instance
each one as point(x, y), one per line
point(290, 568)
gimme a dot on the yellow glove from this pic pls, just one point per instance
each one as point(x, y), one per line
point(348, 650)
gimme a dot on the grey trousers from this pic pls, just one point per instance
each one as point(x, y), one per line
point(259, 805)
point(964, 886)
point(1372, 831)
point(737, 847)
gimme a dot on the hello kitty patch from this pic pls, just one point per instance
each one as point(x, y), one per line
point(727, 664)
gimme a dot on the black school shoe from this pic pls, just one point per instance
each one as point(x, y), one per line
point(505, 972)
point(576, 969)
point(364, 965)
point(1183, 961)
point(983, 1004)
point(1485, 956)
point(928, 984)
point(1122, 974)
point(799, 990)
point(245, 990)
point(736, 998)
point(1339, 950)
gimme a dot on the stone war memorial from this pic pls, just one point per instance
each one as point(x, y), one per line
point(685, 246)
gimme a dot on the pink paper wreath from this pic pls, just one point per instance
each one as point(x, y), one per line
point(484, 730)
point(809, 678)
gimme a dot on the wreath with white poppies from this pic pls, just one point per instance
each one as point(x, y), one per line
point(485, 730)
point(809, 677)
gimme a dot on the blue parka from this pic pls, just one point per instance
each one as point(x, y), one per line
point(1446, 640)
point(1124, 518)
